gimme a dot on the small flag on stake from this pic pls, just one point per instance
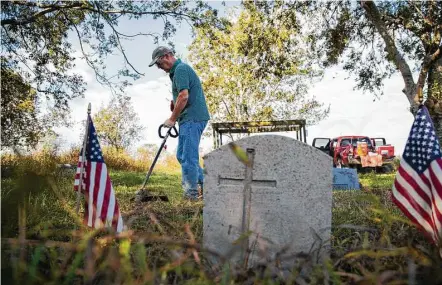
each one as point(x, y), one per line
point(417, 188)
point(101, 206)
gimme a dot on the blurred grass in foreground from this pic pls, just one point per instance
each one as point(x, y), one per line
point(372, 242)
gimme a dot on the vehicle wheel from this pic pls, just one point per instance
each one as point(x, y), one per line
point(387, 168)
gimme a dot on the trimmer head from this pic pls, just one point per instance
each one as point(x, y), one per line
point(144, 195)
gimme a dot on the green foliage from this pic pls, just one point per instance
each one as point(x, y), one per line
point(45, 190)
point(45, 212)
point(117, 124)
point(346, 32)
point(240, 154)
point(255, 68)
point(19, 122)
point(372, 242)
point(375, 241)
point(39, 42)
point(377, 181)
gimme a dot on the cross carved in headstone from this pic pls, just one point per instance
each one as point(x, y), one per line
point(248, 182)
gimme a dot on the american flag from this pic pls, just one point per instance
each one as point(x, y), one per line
point(417, 189)
point(101, 206)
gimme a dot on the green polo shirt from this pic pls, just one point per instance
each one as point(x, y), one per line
point(184, 77)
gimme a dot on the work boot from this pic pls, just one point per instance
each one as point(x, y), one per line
point(191, 195)
point(200, 190)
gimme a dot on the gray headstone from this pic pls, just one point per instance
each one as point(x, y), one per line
point(345, 179)
point(286, 202)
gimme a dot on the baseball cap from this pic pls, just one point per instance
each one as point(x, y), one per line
point(159, 52)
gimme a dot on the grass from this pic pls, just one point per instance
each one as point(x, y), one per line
point(371, 240)
point(374, 236)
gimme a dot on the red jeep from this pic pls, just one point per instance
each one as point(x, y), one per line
point(357, 152)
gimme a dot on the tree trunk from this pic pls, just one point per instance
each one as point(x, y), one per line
point(431, 70)
point(437, 120)
point(374, 16)
point(434, 98)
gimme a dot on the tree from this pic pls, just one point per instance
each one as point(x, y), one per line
point(19, 122)
point(146, 153)
point(255, 68)
point(117, 124)
point(38, 38)
point(374, 40)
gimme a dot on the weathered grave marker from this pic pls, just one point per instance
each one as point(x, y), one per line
point(345, 179)
point(281, 198)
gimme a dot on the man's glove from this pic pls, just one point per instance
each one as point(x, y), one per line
point(172, 106)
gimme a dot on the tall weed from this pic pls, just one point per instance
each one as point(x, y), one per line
point(372, 242)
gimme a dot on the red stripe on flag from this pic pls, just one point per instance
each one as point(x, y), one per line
point(426, 182)
point(436, 195)
point(418, 208)
point(96, 188)
point(86, 192)
point(410, 180)
point(106, 198)
point(86, 208)
point(435, 179)
point(404, 209)
point(90, 176)
point(420, 175)
point(101, 206)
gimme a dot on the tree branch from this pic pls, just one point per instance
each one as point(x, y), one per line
point(227, 107)
point(426, 20)
point(81, 6)
point(34, 17)
point(121, 46)
point(375, 17)
point(426, 66)
point(22, 60)
point(98, 76)
point(154, 35)
point(36, 4)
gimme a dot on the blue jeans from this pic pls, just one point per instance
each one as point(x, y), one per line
point(188, 156)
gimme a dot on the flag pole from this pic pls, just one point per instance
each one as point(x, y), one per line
point(83, 160)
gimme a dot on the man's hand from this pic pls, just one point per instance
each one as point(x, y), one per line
point(180, 103)
point(169, 123)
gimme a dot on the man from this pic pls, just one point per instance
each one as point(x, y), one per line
point(190, 110)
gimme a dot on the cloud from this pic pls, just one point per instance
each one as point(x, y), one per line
point(151, 102)
point(82, 68)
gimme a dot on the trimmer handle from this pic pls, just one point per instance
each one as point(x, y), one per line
point(172, 134)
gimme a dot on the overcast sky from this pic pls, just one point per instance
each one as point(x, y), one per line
point(351, 111)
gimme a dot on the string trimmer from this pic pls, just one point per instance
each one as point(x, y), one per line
point(143, 194)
